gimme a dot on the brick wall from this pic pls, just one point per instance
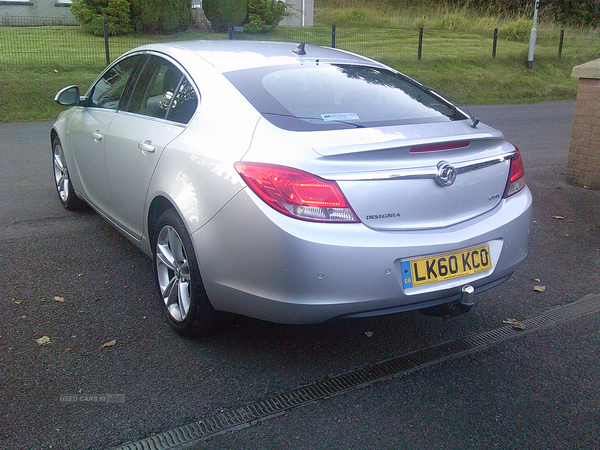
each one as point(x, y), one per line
point(583, 168)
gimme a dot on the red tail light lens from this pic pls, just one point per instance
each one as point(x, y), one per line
point(296, 193)
point(516, 180)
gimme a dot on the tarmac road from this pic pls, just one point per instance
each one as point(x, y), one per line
point(72, 278)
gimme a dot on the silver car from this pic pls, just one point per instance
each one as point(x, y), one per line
point(292, 183)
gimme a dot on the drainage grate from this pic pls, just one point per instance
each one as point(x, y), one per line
point(246, 416)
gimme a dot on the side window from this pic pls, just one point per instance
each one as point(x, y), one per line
point(162, 91)
point(108, 90)
point(184, 103)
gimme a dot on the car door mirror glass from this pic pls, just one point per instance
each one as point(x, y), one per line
point(68, 96)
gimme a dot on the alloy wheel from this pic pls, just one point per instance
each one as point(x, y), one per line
point(173, 271)
point(61, 175)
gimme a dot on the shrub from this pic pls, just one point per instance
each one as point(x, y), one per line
point(573, 12)
point(452, 21)
point(161, 16)
point(224, 12)
point(264, 15)
point(517, 30)
point(91, 13)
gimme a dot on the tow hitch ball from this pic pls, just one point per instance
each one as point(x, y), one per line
point(467, 297)
point(454, 308)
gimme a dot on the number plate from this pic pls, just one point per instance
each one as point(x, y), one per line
point(433, 269)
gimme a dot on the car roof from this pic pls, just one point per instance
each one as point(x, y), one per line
point(231, 55)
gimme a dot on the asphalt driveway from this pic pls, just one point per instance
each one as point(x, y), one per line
point(87, 360)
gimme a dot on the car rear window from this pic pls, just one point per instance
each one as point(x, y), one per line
point(320, 96)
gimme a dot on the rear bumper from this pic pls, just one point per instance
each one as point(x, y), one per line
point(259, 263)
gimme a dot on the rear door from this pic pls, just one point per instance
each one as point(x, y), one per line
point(162, 102)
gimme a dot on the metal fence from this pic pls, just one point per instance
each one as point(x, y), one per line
point(34, 44)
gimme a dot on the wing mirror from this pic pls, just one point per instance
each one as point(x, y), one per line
point(68, 96)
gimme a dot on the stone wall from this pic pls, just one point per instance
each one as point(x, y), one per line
point(583, 168)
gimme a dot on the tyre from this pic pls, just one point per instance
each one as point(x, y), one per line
point(177, 275)
point(65, 190)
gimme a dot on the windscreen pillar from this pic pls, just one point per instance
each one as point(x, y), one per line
point(583, 168)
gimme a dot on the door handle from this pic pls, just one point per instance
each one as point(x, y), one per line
point(96, 136)
point(146, 146)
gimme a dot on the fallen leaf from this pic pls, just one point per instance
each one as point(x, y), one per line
point(109, 344)
point(67, 350)
point(43, 340)
point(558, 217)
point(537, 280)
point(539, 288)
point(369, 334)
point(515, 324)
point(18, 302)
point(59, 299)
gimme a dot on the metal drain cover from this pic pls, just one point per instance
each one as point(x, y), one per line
point(181, 437)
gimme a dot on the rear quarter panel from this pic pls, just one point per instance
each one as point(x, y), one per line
point(196, 172)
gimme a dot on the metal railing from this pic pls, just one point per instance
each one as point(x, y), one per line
point(35, 44)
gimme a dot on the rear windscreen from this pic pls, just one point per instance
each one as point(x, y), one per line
point(322, 96)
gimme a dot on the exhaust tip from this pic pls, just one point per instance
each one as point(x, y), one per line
point(467, 297)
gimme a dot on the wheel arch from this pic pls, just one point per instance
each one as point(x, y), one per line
point(158, 206)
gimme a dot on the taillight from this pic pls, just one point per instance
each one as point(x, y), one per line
point(296, 193)
point(516, 180)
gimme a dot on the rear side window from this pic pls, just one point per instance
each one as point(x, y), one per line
point(331, 96)
point(162, 91)
point(108, 90)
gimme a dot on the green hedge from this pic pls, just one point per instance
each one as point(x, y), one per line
point(161, 16)
point(91, 14)
point(224, 12)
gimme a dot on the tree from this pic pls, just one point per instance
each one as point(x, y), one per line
point(573, 12)
point(264, 15)
point(123, 16)
point(221, 13)
point(161, 16)
point(91, 14)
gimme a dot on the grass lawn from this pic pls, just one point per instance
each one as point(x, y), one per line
point(35, 62)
